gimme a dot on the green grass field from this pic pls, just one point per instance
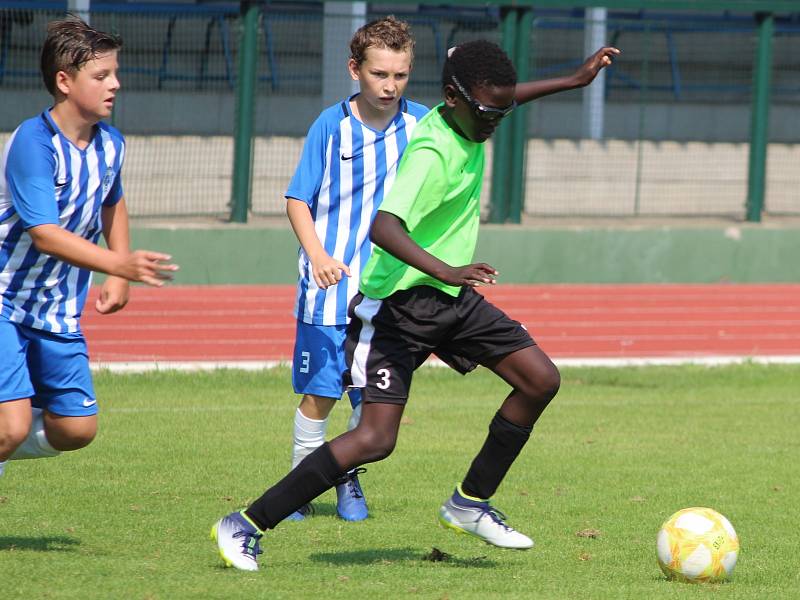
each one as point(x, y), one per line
point(617, 452)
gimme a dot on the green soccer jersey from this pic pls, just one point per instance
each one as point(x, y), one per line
point(437, 196)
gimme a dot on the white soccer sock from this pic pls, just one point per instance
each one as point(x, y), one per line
point(36, 444)
point(355, 417)
point(2, 468)
point(309, 434)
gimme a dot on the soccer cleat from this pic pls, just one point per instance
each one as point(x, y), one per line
point(482, 520)
point(237, 541)
point(307, 510)
point(350, 502)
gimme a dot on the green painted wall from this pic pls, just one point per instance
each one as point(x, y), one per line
point(662, 255)
point(248, 255)
point(225, 255)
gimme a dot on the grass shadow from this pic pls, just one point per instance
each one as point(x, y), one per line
point(393, 555)
point(324, 509)
point(319, 509)
point(55, 543)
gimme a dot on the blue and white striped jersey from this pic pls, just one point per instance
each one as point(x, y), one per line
point(46, 179)
point(344, 173)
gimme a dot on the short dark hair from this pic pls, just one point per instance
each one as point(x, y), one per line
point(388, 32)
point(69, 45)
point(477, 64)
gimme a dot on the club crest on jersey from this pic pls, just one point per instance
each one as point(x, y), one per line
point(108, 181)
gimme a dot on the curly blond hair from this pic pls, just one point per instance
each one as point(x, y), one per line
point(388, 32)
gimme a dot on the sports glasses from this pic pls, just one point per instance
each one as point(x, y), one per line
point(484, 113)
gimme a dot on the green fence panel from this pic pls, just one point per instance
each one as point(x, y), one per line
point(676, 121)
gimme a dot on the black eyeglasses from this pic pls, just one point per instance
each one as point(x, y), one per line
point(484, 113)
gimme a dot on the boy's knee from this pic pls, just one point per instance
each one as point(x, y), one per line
point(376, 445)
point(13, 435)
point(316, 407)
point(74, 441)
point(72, 434)
point(552, 382)
point(383, 450)
point(542, 386)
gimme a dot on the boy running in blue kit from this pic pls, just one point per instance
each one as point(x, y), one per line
point(417, 298)
point(348, 164)
point(60, 188)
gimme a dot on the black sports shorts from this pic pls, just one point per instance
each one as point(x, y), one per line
point(388, 339)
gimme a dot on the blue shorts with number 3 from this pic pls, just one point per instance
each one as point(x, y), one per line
point(318, 362)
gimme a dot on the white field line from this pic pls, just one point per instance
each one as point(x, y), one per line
point(258, 365)
point(710, 361)
point(538, 325)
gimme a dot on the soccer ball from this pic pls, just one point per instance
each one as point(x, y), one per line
point(697, 545)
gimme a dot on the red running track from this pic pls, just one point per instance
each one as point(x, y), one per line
point(255, 323)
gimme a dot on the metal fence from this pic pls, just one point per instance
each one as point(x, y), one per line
point(676, 122)
point(676, 118)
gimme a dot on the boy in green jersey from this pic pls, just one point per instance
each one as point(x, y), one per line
point(414, 302)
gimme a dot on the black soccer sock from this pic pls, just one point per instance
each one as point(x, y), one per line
point(317, 473)
point(501, 448)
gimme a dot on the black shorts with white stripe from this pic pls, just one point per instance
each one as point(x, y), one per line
point(388, 339)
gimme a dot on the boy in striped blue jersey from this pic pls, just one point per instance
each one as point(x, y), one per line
point(348, 164)
point(60, 188)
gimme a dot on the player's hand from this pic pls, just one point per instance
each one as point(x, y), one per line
point(148, 267)
point(473, 275)
point(113, 295)
point(328, 271)
point(592, 65)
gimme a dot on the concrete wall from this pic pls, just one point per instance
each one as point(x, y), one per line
point(212, 113)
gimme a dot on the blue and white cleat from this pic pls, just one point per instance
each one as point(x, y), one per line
point(307, 510)
point(237, 541)
point(350, 502)
point(479, 518)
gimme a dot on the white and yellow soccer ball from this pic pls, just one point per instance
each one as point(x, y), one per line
point(697, 545)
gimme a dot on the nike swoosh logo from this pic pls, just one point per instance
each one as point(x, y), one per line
point(350, 157)
point(87, 403)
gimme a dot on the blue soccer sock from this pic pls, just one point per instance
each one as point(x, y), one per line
point(464, 499)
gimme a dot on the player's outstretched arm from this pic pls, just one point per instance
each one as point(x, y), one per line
point(326, 270)
point(115, 291)
point(531, 90)
point(141, 265)
point(389, 233)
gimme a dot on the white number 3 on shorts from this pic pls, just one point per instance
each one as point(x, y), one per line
point(385, 379)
